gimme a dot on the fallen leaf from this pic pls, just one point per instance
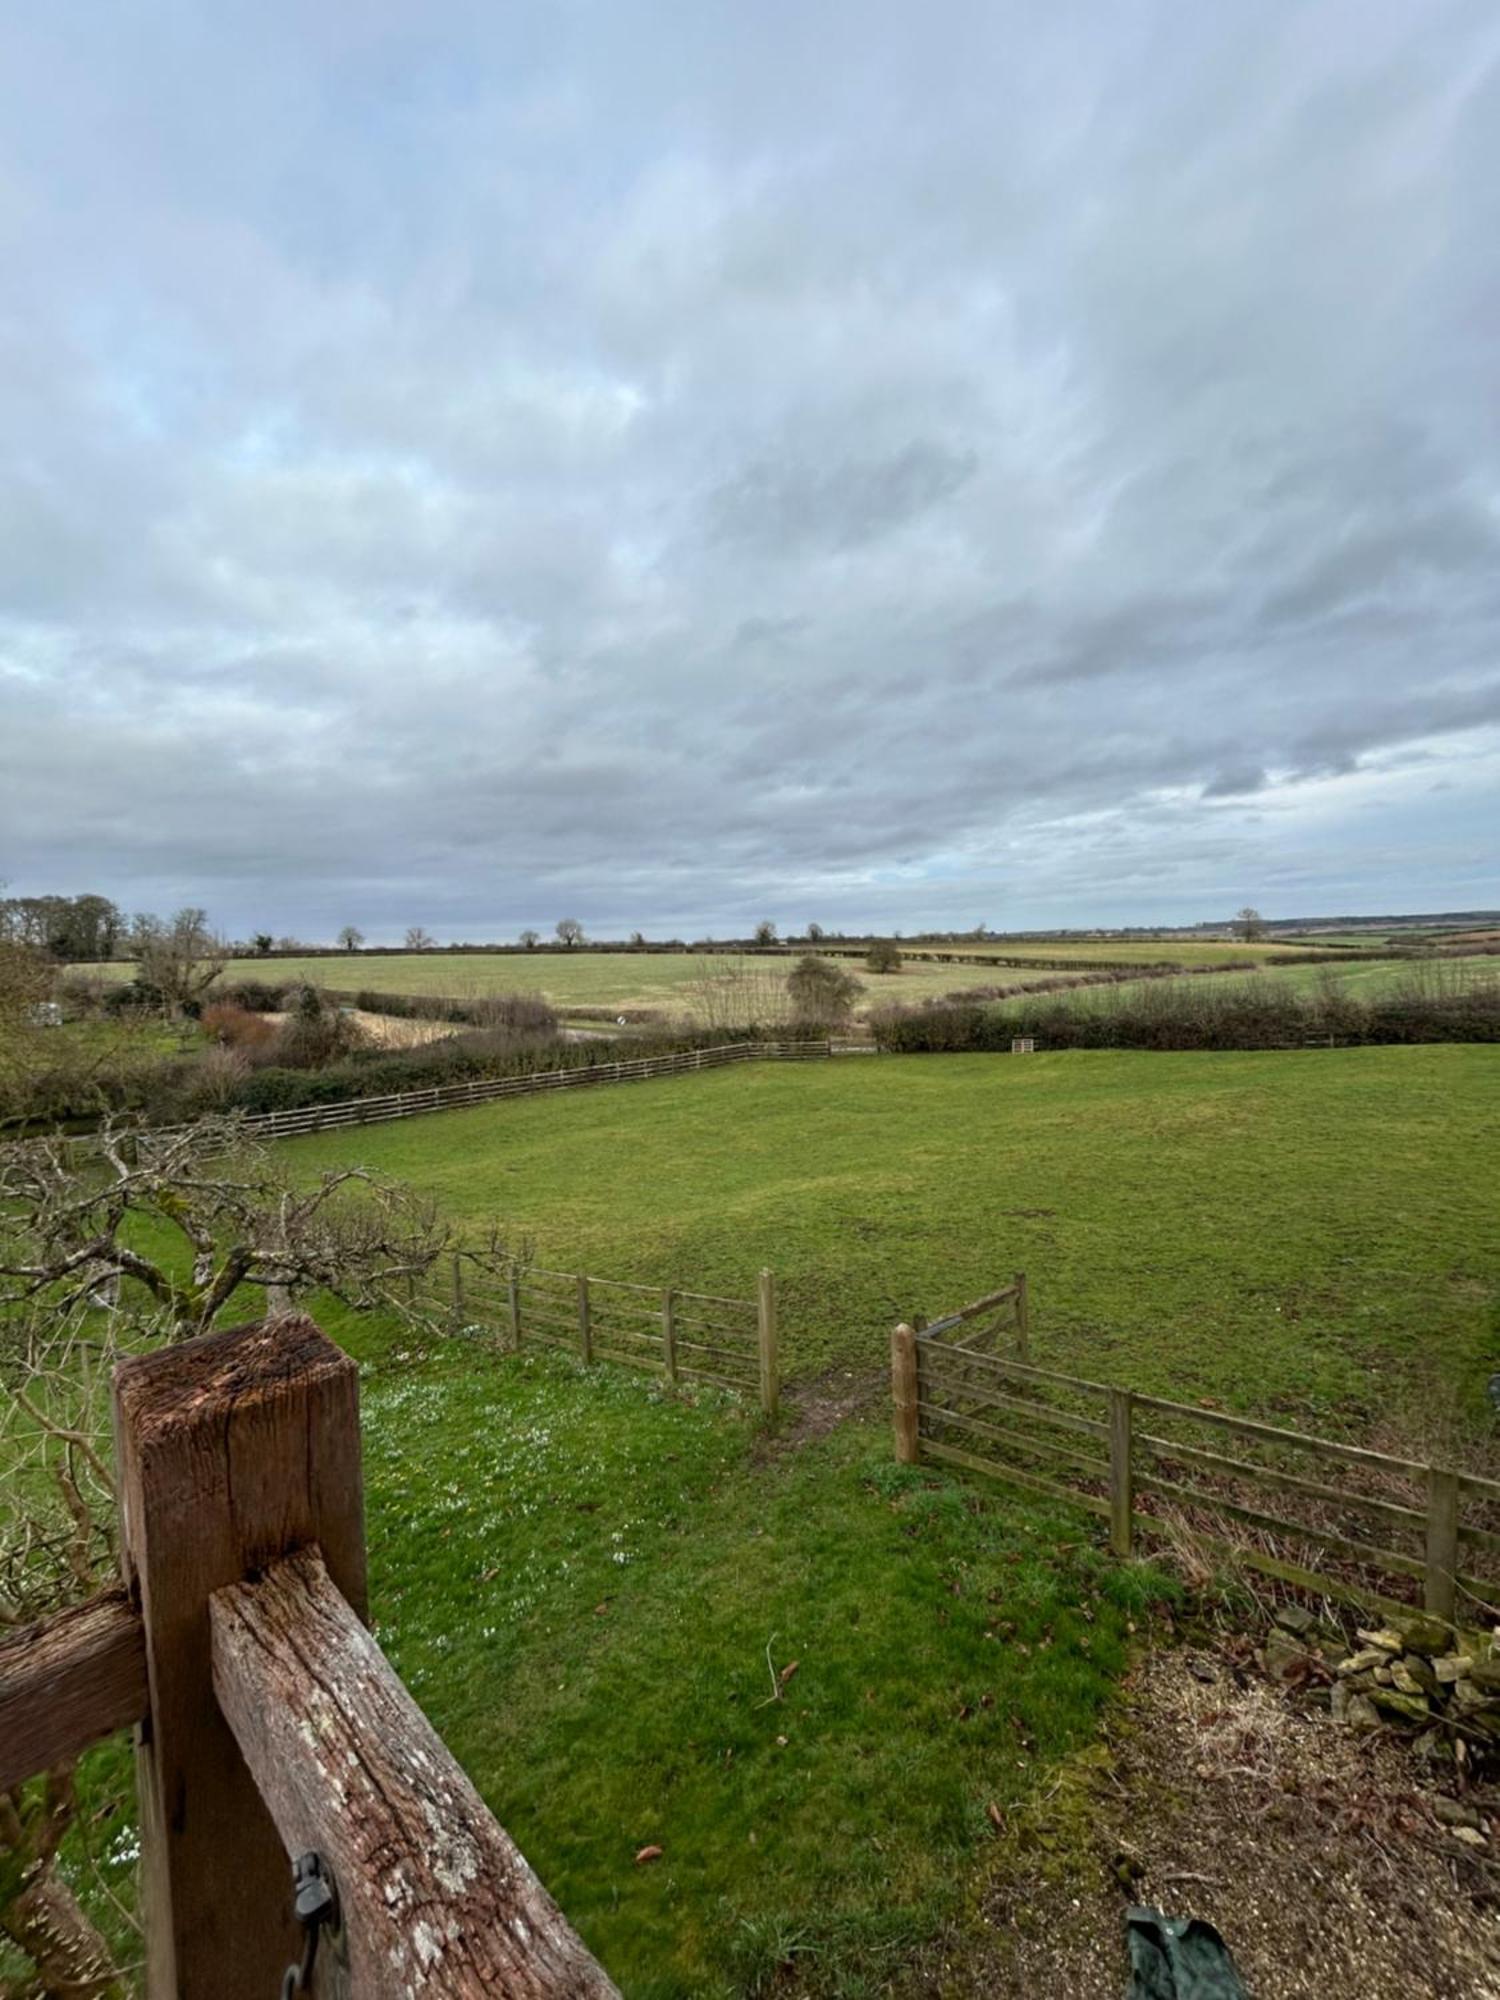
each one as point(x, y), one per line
point(995, 1817)
point(788, 1670)
point(646, 1854)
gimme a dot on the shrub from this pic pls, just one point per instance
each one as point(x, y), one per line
point(1255, 1013)
point(235, 1027)
point(884, 955)
point(822, 994)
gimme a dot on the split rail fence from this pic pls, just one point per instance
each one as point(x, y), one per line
point(269, 1725)
point(353, 1111)
point(1328, 1517)
point(687, 1336)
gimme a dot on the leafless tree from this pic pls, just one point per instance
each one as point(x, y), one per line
point(765, 932)
point(1249, 924)
point(531, 939)
point(180, 957)
point(570, 931)
point(226, 1201)
point(419, 940)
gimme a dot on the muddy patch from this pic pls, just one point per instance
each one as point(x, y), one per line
point(811, 1410)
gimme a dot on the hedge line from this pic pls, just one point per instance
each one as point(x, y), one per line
point(1168, 1018)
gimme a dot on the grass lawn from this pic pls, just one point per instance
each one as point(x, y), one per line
point(580, 1580)
point(1314, 1232)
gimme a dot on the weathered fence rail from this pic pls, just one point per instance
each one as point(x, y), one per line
point(684, 1335)
point(351, 1111)
point(268, 1722)
point(1368, 1529)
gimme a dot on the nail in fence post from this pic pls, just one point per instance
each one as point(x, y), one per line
point(1023, 1317)
point(513, 1289)
point(1438, 1585)
point(1121, 1476)
point(904, 1394)
point(669, 1333)
point(770, 1378)
point(585, 1327)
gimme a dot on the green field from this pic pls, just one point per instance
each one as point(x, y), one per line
point(1268, 1227)
point(1134, 951)
point(1372, 979)
point(667, 981)
point(581, 1581)
point(581, 1576)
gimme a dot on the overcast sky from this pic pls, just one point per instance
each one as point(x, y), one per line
point(674, 464)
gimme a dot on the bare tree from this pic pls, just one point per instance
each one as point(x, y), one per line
point(419, 940)
point(765, 932)
point(227, 1205)
point(351, 937)
point(531, 939)
point(180, 957)
point(814, 933)
point(570, 931)
point(1249, 924)
point(76, 1291)
point(884, 955)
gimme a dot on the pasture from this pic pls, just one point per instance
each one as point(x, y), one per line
point(1300, 1231)
point(803, 1673)
point(669, 982)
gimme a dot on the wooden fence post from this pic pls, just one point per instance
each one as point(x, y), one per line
point(1023, 1317)
point(458, 1288)
point(1121, 1473)
point(513, 1299)
point(765, 1316)
point(904, 1394)
point(585, 1326)
point(233, 1450)
point(669, 1333)
point(1439, 1591)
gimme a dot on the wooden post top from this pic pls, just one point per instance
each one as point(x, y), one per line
point(166, 1392)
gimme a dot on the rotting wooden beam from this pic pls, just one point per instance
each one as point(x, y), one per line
point(68, 1681)
point(436, 1899)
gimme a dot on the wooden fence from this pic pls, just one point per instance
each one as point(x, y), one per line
point(1351, 1523)
point(687, 1336)
point(352, 1111)
point(268, 1722)
point(988, 1323)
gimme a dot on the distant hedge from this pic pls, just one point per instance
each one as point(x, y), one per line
point(1175, 1015)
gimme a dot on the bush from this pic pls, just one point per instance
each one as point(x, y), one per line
point(1254, 1013)
point(884, 955)
point(235, 1027)
point(822, 994)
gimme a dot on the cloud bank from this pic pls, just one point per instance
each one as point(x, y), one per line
point(678, 464)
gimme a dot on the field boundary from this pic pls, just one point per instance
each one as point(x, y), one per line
point(684, 1335)
point(487, 1090)
point(1081, 1441)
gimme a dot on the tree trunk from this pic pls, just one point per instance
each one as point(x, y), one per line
point(72, 1960)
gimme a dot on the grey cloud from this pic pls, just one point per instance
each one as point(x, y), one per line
point(914, 463)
